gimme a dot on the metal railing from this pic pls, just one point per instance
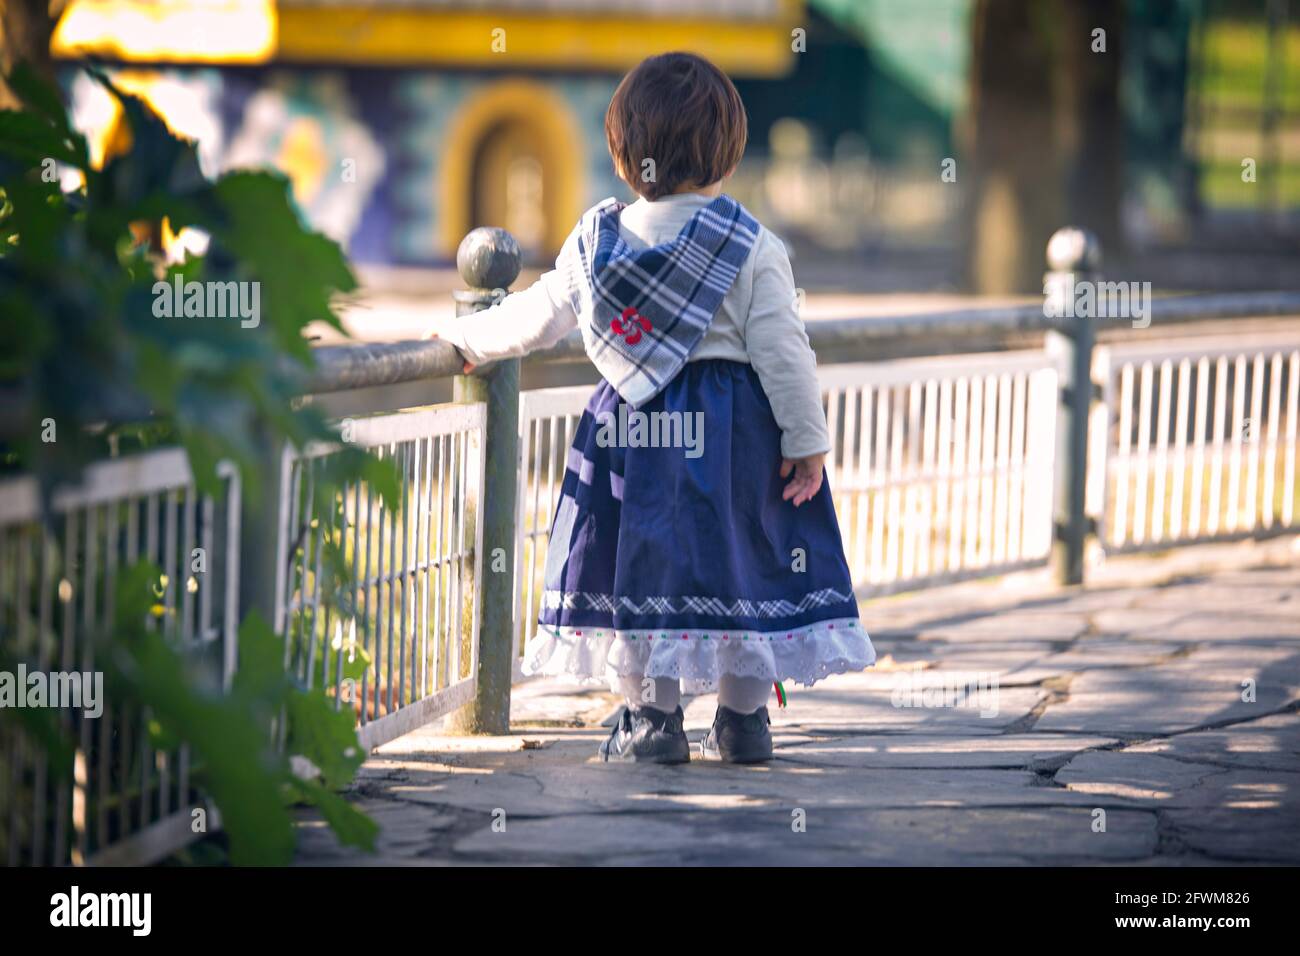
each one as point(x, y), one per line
point(1197, 441)
point(941, 468)
point(124, 801)
point(962, 447)
point(414, 570)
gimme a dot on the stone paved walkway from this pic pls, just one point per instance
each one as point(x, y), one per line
point(1125, 698)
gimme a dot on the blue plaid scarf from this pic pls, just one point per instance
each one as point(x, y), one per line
point(642, 313)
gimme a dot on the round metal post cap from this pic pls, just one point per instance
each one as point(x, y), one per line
point(1072, 249)
point(488, 258)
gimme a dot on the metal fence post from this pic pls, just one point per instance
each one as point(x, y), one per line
point(488, 260)
point(259, 540)
point(1073, 256)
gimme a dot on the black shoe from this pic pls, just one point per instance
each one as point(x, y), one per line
point(647, 735)
point(738, 738)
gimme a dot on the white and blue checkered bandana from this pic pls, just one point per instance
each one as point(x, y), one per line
point(642, 312)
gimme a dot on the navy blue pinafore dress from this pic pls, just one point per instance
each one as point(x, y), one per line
point(672, 561)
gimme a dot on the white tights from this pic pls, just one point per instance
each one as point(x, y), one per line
point(744, 695)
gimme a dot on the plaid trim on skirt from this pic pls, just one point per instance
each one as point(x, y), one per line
point(684, 561)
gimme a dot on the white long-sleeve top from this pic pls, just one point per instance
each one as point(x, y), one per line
point(758, 322)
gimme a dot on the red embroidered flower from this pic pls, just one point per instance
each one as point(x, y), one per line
point(627, 325)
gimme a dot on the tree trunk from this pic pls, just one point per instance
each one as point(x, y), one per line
point(25, 30)
point(1044, 137)
point(1094, 144)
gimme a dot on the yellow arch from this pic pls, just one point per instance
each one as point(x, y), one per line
point(560, 148)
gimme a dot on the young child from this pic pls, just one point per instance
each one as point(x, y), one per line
point(719, 565)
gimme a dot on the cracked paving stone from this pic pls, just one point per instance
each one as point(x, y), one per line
point(986, 657)
point(1113, 622)
point(916, 751)
point(925, 837)
point(403, 833)
point(1286, 579)
point(941, 670)
point(1085, 602)
point(1274, 665)
point(1009, 670)
point(1234, 628)
point(990, 648)
point(864, 702)
point(1255, 793)
point(1011, 626)
point(1139, 708)
point(1166, 698)
point(1226, 833)
point(1223, 813)
point(1108, 653)
point(1247, 598)
point(1135, 776)
point(781, 783)
point(1270, 743)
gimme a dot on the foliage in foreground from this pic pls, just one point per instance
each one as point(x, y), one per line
point(82, 349)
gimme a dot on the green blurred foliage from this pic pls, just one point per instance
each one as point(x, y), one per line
point(232, 737)
point(79, 341)
point(80, 345)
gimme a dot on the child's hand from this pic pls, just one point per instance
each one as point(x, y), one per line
point(807, 479)
point(431, 334)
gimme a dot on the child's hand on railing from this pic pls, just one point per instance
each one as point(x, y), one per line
point(431, 334)
point(807, 479)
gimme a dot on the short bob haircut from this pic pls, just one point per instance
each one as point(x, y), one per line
point(681, 112)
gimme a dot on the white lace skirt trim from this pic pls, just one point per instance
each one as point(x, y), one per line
point(699, 657)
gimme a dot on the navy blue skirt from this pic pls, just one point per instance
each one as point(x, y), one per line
point(672, 554)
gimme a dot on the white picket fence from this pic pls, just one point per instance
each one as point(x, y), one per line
point(1198, 442)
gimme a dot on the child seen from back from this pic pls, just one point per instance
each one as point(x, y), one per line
point(695, 541)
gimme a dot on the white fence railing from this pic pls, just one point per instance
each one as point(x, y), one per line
point(124, 801)
point(547, 419)
point(1197, 441)
point(941, 468)
point(414, 571)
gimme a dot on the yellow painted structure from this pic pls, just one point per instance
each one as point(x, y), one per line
point(257, 31)
point(423, 36)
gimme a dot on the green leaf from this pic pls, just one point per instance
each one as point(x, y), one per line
point(34, 91)
point(80, 343)
point(300, 270)
point(350, 825)
point(232, 745)
point(325, 736)
point(159, 171)
point(30, 139)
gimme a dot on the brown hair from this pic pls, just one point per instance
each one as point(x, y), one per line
point(682, 112)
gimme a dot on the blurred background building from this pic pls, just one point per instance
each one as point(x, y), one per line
point(897, 145)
